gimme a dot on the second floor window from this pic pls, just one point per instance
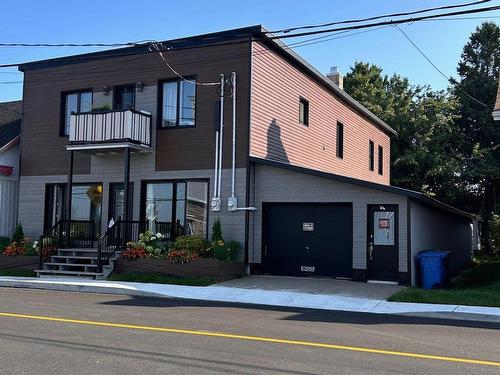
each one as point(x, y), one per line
point(178, 104)
point(371, 156)
point(340, 140)
point(78, 101)
point(380, 160)
point(124, 97)
point(303, 111)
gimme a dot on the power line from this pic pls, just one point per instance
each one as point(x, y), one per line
point(9, 82)
point(127, 44)
point(449, 79)
point(272, 37)
point(378, 17)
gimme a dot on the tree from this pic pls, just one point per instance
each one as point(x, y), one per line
point(423, 154)
point(476, 91)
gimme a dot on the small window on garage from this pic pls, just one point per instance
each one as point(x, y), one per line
point(380, 160)
point(303, 111)
point(340, 140)
point(371, 156)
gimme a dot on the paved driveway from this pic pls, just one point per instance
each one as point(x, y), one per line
point(315, 286)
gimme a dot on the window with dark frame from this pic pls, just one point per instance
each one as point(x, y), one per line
point(372, 156)
point(340, 140)
point(74, 102)
point(303, 111)
point(380, 160)
point(184, 202)
point(124, 97)
point(178, 104)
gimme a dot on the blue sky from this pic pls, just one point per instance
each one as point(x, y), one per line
point(121, 21)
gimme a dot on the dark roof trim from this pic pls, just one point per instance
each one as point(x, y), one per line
point(414, 195)
point(187, 42)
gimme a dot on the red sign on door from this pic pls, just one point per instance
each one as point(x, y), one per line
point(384, 223)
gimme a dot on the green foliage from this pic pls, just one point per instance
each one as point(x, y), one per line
point(4, 242)
point(226, 252)
point(217, 231)
point(18, 235)
point(192, 244)
point(495, 232)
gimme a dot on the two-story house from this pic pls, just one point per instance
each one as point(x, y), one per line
point(231, 125)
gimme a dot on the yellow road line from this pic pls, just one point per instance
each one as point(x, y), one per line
point(255, 338)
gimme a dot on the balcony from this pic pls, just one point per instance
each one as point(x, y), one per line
point(110, 130)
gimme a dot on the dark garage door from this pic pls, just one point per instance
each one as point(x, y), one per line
point(308, 239)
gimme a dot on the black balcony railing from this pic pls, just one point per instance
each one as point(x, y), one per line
point(107, 126)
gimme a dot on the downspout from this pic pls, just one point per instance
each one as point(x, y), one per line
point(215, 204)
point(221, 136)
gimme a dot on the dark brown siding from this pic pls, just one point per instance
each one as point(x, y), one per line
point(43, 151)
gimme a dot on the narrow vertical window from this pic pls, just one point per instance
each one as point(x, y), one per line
point(380, 160)
point(372, 156)
point(303, 111)
point(340, 140)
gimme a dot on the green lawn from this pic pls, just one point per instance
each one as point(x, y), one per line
point(162, 279)
point(479, 285)
point(14, 272)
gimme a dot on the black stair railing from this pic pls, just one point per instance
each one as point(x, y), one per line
point(67, 234)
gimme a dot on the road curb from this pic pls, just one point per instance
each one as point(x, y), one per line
point(257, 297)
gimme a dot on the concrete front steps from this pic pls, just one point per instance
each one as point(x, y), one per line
point(76, 262)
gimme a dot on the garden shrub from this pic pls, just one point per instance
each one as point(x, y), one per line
point(217, 231)
point(14, 249)
point(226, 252)
point(18, 235)
point(193, 244)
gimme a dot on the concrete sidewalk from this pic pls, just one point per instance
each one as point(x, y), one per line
point(221, 293)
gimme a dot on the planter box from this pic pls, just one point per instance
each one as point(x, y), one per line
point(19, 262)
point(202, 267)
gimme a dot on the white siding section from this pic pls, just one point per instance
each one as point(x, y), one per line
point(433, 229)
point(8, 191)
point(280, 185)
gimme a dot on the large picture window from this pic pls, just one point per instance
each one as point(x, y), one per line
point(182, 202)
point(78, 101)
point(178, 104)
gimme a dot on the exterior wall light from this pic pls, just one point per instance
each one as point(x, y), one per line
point(139, 86)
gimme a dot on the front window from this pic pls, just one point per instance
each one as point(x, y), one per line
point(124, 97)
point(184, 203)
point(75, 102)
point(178, 103)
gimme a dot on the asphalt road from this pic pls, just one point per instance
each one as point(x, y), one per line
point(44, 332)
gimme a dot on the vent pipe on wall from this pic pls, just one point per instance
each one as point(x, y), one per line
point(216, 200)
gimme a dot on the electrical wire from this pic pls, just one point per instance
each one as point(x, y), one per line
point(272, 37)
point(287, 30)
point(449, 79)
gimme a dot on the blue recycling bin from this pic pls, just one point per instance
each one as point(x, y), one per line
point(433, 268)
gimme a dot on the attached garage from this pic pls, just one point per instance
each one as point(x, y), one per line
point(304, 239)
point(312, 223)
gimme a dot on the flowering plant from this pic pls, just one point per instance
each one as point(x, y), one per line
point(14, 249)
point(181, 256)
point(149, 245)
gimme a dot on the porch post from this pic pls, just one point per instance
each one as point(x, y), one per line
point(69, 189)
point(126, 194)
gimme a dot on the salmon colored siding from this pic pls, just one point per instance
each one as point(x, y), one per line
point(276, 133)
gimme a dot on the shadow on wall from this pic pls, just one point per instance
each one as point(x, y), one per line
point(275, 148)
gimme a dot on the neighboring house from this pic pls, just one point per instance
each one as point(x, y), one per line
point(312, 192)
point(10, 133)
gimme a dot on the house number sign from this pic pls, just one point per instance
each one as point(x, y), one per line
point(308, 227)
